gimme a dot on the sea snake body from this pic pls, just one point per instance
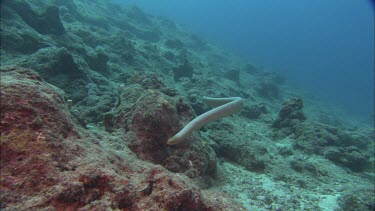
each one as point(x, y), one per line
point(226, 107)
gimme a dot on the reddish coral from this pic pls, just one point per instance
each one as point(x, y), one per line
point(33, 125)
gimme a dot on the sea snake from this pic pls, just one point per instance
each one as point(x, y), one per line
point(224, 108)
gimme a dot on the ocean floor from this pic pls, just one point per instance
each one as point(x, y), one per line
point(91, 91)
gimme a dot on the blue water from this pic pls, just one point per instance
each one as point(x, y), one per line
point(324, 46)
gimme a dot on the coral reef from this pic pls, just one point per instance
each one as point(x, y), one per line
point(92, 90)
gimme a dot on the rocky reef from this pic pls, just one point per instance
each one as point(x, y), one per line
point(48, 161)
point(91, 91)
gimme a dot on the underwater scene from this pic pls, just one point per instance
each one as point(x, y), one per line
point(187, 105)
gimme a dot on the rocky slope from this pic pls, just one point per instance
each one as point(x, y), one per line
point(91, 91)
